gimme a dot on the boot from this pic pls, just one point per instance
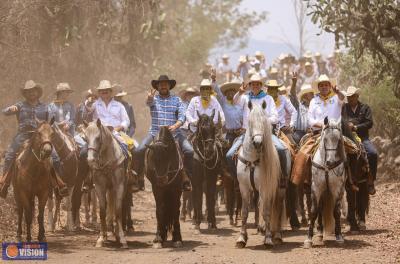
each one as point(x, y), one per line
point(371, 189)
point(58, 184)
point(5, 183)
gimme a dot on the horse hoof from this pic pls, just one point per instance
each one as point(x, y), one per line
point(42, 239)
point(197, 231)
point(362, 226)
point(124, 245)
point(339, 239)
point(318, 240)
point(231, 222)
point(268, 242)
point(240, 244)
point(212, 227)
point(177, 244)
point(308, 243)
point(99, 244)
point(157, 245)
point(183, 218)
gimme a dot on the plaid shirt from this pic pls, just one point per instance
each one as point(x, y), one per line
point(27, 114)
point(165, 112)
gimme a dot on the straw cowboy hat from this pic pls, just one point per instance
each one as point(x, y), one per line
point(63, 87)
point(104, 85)
point(163, 78)
point(205, 83)
point(283, 89)
point(232, 85)
point(29, 85)
point(273, 84)
point(323, 78)
point(305, 88)
point(258, 54)
point(242, 59)
point(121, 93)
point(225, 56)
point(273, 70)
point(189, 91)
point(256, 78)
point(351, 90)
point(307, 64)
point(308, 55)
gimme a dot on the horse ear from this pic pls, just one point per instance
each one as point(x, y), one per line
point(326, 121)
point(250, 105)
point(53, 119)
point(264, 105)
point(213, 114)
point(85, 123)
point(98, 123)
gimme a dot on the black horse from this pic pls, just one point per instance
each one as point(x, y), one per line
point(164, 169)
point(358, 200)
point(206, 166)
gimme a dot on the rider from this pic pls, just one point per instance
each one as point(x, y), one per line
point(62, 110)
point(28, 112)
point(129, 109)
point(257, 96)
point(360, 116)
point(327, 103)
point(205, 103)
point(166, 109)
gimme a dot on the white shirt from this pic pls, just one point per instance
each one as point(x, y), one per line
point(319, 109)
point(270, 110)
point(224, 68)
point(284, 109)
point(114, 114)
point(195, 105)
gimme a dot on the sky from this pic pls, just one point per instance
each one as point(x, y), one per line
point(280, 28)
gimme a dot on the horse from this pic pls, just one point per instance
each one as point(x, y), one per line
point(66, 150)
point(357, 198)
point(206, 166)
point(108, 165)
point(328, 184)
point(33, 179)
point(258, 172)
point(164, 169)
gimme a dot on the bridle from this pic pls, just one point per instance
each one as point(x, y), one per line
point(202, 156)
point(62, 147)
point(39, 157)
point(100, 150)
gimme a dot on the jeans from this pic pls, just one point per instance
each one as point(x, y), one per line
point(184, 144)
point(372, 155)
point(15, 148)
point(281, 149)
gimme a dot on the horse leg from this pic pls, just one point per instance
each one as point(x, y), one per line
point(100, 190)
point(300, 200)
point(158, 241)
point(40, 217)
point(93, 213)
point(50, 207)
point(184, 204)
point(197, 195)
point(86, 206)
point(242, 240)
point(279, 210)
point(110, 214)
point(230, 195)
point(176, 234)
point(210, 199)
point(20, 211)
point(28, 219)
point(70, 220)
point(351, 209)
point(256, 199)
point(292, 199)
point(119, 194)
point(338, 228)
point(266, 209)
point(238, 198)
point(312, 217)
point(362, 204)
point(56, 212)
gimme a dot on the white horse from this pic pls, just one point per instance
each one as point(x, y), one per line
point(258, 171)
point(328, 184)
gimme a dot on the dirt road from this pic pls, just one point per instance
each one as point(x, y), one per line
point(379, 244)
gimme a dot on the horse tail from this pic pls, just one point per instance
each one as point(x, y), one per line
point(278, 212)
point(328, 206)
point(272, 170)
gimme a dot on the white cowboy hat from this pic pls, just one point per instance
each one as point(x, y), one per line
point(273, 84)
point(258, 53)
point(232, 85)
point(242, 59)
point(121, 93)
point(63, 87)
point(284, 89)
point(307, 64)
point(256, 78)
point(205, 83)
point(317, 54)
point(351, 90)
point(104, 85)
point(308, 55)
point(282, 56)
point(273, 70)
point(323, 78)
point(305, 88)
point(189, 90)
point(30, 84)
point(225, 56)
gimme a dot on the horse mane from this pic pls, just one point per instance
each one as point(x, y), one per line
point(272, 168)
point(165, 135)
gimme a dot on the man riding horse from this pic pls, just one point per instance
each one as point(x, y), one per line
point(166, 109)
point(28, 113)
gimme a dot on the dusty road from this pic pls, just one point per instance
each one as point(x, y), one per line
point(379, 244)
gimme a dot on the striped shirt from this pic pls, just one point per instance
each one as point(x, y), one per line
point(165, 111)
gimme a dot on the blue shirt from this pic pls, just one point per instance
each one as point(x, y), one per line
point(233, 112)
point(27, 115)
point(63, 113)
point(165, 112)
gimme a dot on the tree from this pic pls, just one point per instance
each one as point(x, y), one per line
point(365, 26)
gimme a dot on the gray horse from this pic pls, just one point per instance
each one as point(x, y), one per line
point(107, 162)
point(328, 183)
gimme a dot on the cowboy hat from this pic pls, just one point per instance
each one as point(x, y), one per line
point(121, 93)
point(273, 70)
point(307, 64)
point(205, 83)
point(242, 59)
point(258, 53)
point(256, 78)
point(225, 56)
point(63, 87)
point(32, 85)
point(323, 78)
point(282, 56)
point(308, 55)
point(351, 90)
point(189, 90)
point(104, 85)
point(232, 85)
point(273, 84)
point(283, 88)
point(317, 55)
point(163, 78)
point(305, 88)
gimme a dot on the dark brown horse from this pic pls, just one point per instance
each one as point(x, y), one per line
point(32, 179)
point(164, 169)
point(206, 166)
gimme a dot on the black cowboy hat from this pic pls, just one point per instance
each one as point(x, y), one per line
point(163, 78)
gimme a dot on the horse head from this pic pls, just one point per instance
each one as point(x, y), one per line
point(41, 139)
point(332, 142)
point(257, 125)
point(206, 134)
point(93, 135)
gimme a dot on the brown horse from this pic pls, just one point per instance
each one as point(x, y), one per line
point(164, 169)
point(32, 179)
